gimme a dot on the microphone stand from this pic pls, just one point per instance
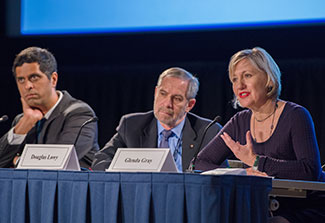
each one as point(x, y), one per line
point(192, 165)
point(92, 119)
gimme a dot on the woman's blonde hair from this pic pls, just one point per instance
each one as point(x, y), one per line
point(263, 61)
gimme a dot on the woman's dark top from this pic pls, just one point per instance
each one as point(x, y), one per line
point(291, 152)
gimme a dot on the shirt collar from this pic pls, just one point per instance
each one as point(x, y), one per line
point(176, 130)
point(48, 114)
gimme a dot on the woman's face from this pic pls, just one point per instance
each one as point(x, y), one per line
point(249, 85)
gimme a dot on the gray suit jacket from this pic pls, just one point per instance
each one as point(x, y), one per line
point(61, 128)
point(139, 130)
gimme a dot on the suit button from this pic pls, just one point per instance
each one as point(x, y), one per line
point(191, 146)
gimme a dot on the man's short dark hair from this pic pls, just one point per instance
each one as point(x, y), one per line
point(43, 57)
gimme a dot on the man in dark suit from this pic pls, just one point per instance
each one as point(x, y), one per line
point(49, 116)
point(174, 98)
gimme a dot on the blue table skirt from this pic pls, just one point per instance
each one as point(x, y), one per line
point(66, 196)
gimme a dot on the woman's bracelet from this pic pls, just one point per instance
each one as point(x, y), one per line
point(255, 165)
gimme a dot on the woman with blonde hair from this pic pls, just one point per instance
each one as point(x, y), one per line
point(272, 137)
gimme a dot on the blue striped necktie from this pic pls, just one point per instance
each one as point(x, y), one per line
point(165, 136)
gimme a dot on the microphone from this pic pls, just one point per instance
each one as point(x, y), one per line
point(216, 119)
point(93, 119)
point(4, 118)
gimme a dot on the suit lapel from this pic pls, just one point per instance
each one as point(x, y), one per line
point(148, 138)
point(56, 112)
point(189, 143)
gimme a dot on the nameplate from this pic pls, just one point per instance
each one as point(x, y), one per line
point(49, 156)
point(143, 160)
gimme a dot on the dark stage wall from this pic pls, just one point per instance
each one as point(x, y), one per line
point(116, 74)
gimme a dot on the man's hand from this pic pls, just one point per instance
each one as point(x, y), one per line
point(29, 119)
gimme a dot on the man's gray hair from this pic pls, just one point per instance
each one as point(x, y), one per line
point(193, 84)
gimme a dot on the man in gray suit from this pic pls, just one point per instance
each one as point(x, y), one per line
point(174, 98)
point(49, 116)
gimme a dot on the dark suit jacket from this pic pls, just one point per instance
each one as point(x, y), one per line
point(61, 128)
point(139, 130)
